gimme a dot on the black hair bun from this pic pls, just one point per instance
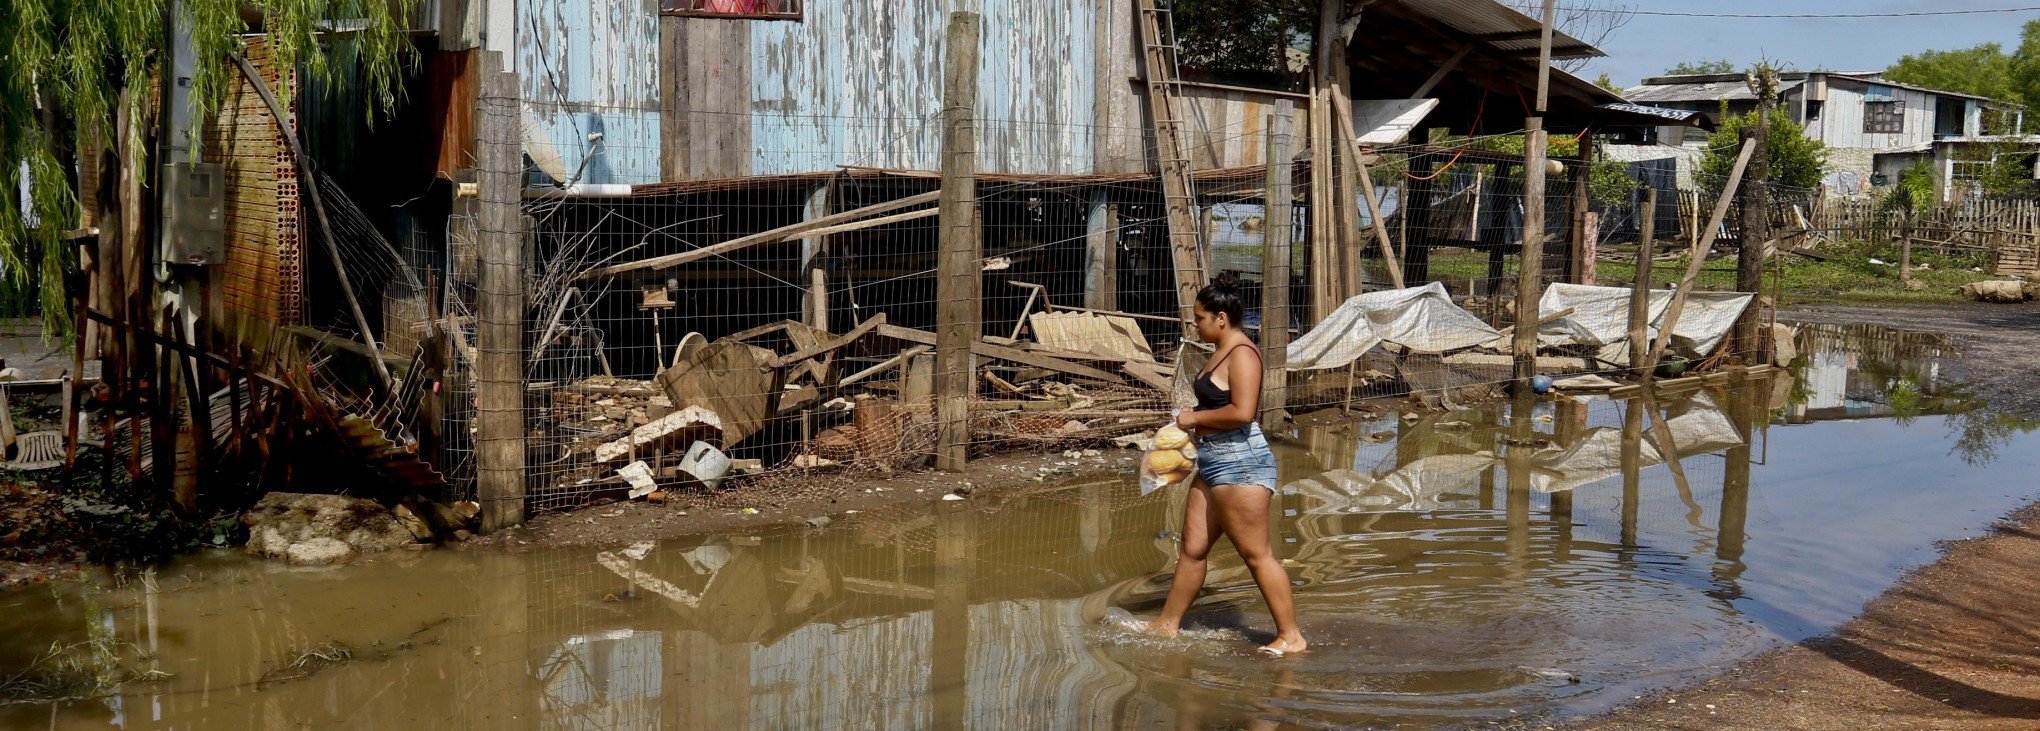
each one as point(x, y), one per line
point(1227, 281)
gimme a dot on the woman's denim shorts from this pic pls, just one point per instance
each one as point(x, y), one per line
point(1237, 456)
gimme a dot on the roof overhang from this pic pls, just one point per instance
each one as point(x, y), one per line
point(1625, 114)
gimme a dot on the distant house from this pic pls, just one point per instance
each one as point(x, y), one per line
point(1873, 127)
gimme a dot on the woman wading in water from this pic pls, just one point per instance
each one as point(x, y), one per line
point(1235, 482)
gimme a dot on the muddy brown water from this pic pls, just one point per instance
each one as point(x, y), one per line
point(1444, 578)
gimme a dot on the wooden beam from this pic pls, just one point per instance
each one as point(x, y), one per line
point(1443, 69)
point(883, 365)
point(1395, 273)
point(959, 278)
point(765, 237)
point(1700, 250)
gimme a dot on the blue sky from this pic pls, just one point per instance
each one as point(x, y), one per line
point(1647, 44)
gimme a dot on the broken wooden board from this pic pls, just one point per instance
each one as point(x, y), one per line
point(682, 425)
point(1001, 352)
point(738, 382)
point(1117, 337)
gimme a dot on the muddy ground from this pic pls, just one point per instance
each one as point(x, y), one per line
point(1955, 645)
point(793, 497)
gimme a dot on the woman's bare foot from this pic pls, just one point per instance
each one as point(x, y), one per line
point(1284, 646)
point(1158, 629)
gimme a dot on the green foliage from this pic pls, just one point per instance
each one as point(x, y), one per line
point(1984, 70)
point(1796, 160)
point(1609, 184)
point(1243, 36)
point(1913, 192)
point(1718, 66)
point(2025, 66)
point(1608, 82)
point(78, 69)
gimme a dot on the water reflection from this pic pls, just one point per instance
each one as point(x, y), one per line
point(1548, 557)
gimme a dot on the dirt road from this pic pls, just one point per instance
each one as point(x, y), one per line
point(1956, 645)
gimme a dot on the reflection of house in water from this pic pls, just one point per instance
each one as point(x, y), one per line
point(1865, 371)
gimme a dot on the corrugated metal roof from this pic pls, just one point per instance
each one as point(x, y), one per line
point(1491, 18)
point(1704, 92)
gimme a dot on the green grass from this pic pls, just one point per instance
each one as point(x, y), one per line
point(1849, 277)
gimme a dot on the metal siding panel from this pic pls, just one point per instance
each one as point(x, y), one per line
point(582, 65)
point(859, 82)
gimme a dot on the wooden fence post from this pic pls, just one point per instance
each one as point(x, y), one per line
point(499, 311)
point(1101, 245)
point(1276, 198)
point(959, 280)
point(1699, 257)
point(1639, 289)
point(1531, 265)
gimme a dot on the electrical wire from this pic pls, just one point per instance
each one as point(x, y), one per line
point(1806, 16)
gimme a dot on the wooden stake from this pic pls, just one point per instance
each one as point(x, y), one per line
point(1276, 197)
point(499, 317)
point(958, 281)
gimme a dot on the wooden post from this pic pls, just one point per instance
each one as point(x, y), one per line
point(1639, 289)
point(1756, 220)
point(813, 248)
point(958, 281)
point(1276, 195)
point(1904, 250)
point(1530, 268)
point(499, 311)
point(1580, 258)
point(1101, 244)
point(1324, 248)
point(1699, 258)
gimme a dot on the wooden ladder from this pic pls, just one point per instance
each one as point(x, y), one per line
point(1157, 32)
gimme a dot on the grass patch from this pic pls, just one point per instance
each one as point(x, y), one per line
point(1849, 277)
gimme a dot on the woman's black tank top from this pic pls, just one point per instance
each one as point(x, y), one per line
point(1209, 395)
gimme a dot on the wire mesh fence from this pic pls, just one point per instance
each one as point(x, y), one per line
point(696, 334)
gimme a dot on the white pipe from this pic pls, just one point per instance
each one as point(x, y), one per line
point(579, 190)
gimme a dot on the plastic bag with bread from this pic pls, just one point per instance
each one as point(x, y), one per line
point(1171, 461)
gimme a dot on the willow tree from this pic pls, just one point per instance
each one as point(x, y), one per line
point(77, 70)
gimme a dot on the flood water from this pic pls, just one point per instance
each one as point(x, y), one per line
point(1444, 578)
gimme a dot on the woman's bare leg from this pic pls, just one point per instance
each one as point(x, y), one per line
point(1200, 528)
point(1242, 512)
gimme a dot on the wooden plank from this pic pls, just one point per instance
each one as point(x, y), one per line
point(883, 365)
point(874, 222)
point(959, 278)
point(1001, 352)
point(809, 227)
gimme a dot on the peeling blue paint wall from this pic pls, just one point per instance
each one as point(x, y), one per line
point(856, 82)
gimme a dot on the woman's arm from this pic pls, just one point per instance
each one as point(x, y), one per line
point(1243, 376)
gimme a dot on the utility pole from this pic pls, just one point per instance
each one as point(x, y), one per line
point(1756, 215)
point(1528, 287)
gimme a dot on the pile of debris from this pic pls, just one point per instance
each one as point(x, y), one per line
point(1085, 377)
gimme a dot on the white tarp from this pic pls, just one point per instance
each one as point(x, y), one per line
point(1702, 428)
point(1601, 317)
point(1422, 319)
point(1419, 486)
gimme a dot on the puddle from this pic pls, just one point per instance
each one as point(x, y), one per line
point(1444, 578)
